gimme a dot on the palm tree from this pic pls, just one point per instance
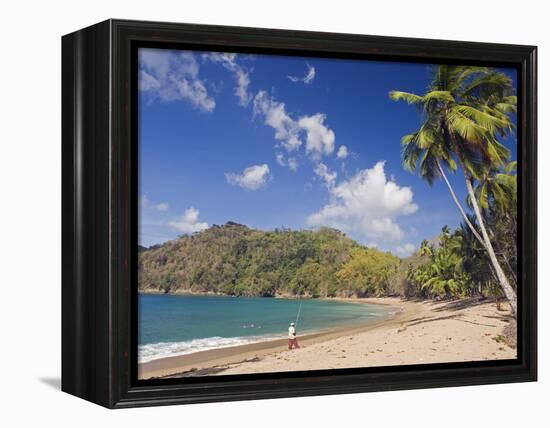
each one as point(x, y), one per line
point(443, 274)
point(465, 110)
point(475, 257)
point(498, 185)
point(426, 249)
point(496, 194)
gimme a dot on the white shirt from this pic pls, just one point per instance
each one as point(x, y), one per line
point(291, 332)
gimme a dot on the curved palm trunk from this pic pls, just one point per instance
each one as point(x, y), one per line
point(505, 285)
point(455, 199)
point(505, 258)
point(510, 268)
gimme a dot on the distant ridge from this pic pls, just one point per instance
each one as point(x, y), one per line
point(233, 259)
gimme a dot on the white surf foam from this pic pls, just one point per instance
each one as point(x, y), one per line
point(155, 351)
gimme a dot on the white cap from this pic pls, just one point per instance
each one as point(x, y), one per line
point(291, 323)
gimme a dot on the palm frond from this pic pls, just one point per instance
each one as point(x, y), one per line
point(441, 96)
point(410, 152)
point(441, 77)
point(497, 152)
point(486, 85)
point(507, 104)
point(511, 167)
point(449, 163)
point(482, 118)
point(465, 126)
point(428, 167)
point(482, 196)
point(408, 97)
point(465, 73)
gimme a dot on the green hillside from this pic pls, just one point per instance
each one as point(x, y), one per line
point(235, 260)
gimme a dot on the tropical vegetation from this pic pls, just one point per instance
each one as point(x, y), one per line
point(465, 112)
point(236, 260)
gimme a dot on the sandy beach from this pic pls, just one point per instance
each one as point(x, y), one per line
point(419, 332)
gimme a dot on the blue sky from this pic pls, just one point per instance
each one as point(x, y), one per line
point(272, 141)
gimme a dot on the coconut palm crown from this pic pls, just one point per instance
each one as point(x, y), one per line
point(465, 111)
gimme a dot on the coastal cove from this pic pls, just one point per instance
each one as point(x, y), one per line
point(414, 332)
point(172, 325)
point(297, 232)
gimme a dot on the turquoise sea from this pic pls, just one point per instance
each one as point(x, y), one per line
point(176, 325)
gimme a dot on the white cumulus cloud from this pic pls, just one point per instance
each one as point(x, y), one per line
point(307, 79)
point(405, 250)
point(189, 222)
point(342, 152)
point(172, 76)
point(319, 138)
point(252, 178)
point(367, 205)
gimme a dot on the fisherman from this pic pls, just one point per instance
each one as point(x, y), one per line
point(292, 340)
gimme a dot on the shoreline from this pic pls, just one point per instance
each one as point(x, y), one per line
point(419, 332)
point(209, 360)
point(189, 293)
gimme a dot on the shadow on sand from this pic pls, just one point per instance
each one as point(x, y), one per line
point(458, 305)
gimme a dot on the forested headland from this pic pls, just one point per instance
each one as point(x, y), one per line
point(236, 260)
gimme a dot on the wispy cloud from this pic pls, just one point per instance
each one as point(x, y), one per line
point(147, 82)
point(252, 178)
point(280, 159)
point(275, 116)
point(326, 175)
point(307, 79)
point(146, 204)
point(241, 75)
point(291, 162)
point(172, 76)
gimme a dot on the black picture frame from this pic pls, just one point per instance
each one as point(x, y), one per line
point(99, 213)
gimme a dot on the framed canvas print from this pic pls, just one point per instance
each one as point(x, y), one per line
point(253, 213)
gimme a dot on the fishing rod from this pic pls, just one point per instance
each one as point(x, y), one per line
point(298, 316)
